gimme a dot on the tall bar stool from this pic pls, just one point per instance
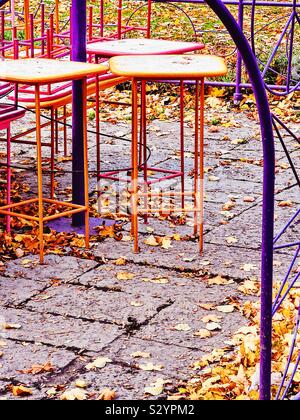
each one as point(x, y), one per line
point(38, 72)
point(169, 67)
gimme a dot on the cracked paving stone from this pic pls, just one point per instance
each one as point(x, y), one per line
point(153, 281)
point(176, 362)
point(217, 259)
point(91, 304)
point(55, 268)
point(59, 331)
point(184, 312)
point(247, 228)
point(14, 291)
point(18, 358)
point(129, 383)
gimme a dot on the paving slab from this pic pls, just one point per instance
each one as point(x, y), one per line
point(167, 326)
point(174, 361)
point(59, 331)
point(18, 360)
point(184, 256)
point(56, 267)
point(106, 306)
point(14, 291)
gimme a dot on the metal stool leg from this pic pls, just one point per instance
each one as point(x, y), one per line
point(201, 227)
point(86, 168)
point(39, 171)
point(8, 171)
point(143, 145)
point(52, 164)
point(135, 159)
point(196, 158)
point(182, 162)
point(65, 131)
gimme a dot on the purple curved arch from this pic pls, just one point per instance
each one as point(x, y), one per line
point(79, 54)
point(268, 189)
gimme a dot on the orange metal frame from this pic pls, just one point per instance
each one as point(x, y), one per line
point(197, 194)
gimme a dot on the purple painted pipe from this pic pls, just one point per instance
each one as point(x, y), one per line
point(78, 53)
point(268, 190)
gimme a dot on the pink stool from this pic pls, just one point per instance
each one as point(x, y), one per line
point(9, 114)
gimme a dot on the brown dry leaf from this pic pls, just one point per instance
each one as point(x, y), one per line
point(155, 388)
point(141, 354)
point(213, 326)
point(107, 395)
point(226, 309)
point(80, 383)
point(231, 240)
point(136, 304)
point(249, 199)
point(151, 241)
point(150, 367)
point(37, 369)
point(229, 206)
point(207, 306)
point(21, 391)
point(220, 281)
point(286, 203)
point(11, 326)
point(203, 334)
point(99, 363)
point(74, 394)
point(166, 243)
point(121, 261)
point(249, 287)
point(123, 275)
point(249, 267)
point(211, 318)
point(182, 327)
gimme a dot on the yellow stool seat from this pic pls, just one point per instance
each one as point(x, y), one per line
point(168, 66)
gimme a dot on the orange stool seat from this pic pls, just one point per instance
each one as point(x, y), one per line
point(37, 73)
point(169, 67)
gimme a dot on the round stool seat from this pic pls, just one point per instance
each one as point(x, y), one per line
point(142, 46)
point(168, 66)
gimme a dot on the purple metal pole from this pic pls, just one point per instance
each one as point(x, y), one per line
point(78, 36)
point(268, 189)
point(239, 63)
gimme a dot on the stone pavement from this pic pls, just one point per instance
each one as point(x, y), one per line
point(140, 320)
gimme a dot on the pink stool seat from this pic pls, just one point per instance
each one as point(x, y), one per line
point(142, 46)
point(9, 113)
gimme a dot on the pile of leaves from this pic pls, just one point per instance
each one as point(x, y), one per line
point(232, 372)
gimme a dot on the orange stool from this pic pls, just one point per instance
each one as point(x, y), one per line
point(37, 73)
point(169, 67)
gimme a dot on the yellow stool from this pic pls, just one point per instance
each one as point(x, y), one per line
point(41, 72)
point(169, 67)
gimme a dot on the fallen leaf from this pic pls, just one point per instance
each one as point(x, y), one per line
point(182, 327)
point(141, 354)
point(155, 388)
point(220, 281)
point(74, 394)
point(151, 241)
point(21, 391)
point(107, 395)
point(123, 275)
point(226, 309)
point(203, 334)
point(99, 363)
point(213, 326)
point(150, 367)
